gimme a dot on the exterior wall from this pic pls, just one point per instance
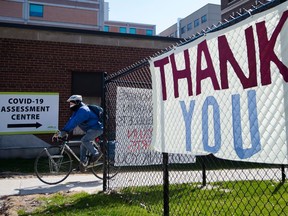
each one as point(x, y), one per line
point(89, 15)
point(10, 9)
point(61, 13)
point(69, 15)
point(114, 26)
point(170, 32)
point(213, 16)
point(212, 12)
point(231, 7)
point(43, 59)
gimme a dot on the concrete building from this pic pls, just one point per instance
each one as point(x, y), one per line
point(84, 14)
point(199, 20)
point(129, 28)
point(234, 8)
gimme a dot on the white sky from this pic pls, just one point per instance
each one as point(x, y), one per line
point(162, 13)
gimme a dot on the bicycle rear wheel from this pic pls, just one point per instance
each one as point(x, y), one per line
point(51, 166)
point(98, 169)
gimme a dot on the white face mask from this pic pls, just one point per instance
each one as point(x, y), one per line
point(72, 105)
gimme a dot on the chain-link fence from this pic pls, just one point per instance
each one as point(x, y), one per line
point(233, 163)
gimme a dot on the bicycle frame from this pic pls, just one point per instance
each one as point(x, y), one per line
point(67, 147)
point(54, 164)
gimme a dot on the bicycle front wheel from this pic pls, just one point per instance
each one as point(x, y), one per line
point(52, 165)
point(98, 169)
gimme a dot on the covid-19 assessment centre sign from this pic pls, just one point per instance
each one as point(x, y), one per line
point(28, 112)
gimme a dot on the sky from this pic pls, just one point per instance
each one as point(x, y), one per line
point(162, 13)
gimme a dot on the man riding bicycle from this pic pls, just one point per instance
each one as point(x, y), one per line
point(88, 121)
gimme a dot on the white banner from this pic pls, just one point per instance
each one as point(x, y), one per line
point(134, 130)
point(226, 92)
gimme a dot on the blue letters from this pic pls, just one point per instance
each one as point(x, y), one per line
point(253, 122)
point(237, 122)
point(188, 121)
point(211, 101)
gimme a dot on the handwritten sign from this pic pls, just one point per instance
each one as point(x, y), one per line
point(134, 122)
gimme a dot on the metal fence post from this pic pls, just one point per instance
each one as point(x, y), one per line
point(283, 173)
point(203, 174)
point(103, 104)
point(165, 184)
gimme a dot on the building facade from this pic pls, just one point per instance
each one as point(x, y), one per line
point(233, 8)
point(45, 59)
point(199, 20)
point(65, 13)
point(129, 28)
point(84, 14)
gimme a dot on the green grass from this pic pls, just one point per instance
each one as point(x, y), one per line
point(85, 204)
point(220, 198)
point(223, 198)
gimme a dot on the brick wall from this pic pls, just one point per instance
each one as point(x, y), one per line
point(47, 66)
point(42, 59)
point(39, 66)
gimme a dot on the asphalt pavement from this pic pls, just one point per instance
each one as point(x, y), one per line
point(26, 185)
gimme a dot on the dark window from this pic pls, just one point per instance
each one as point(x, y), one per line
point(36, 10)
point(196, 23)
point(204, 19)
point(183, 29)
point(132, 30)
point(88, 84)
point(106, 28)
point(149, 32)
point(122, 30)
point(189, 26)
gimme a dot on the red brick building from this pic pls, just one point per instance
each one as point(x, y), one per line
point(48, 59)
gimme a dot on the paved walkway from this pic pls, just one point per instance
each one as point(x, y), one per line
point(25, 185)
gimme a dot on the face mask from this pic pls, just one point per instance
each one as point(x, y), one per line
point(73, 106)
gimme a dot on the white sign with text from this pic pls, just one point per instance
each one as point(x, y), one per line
point(28, 112)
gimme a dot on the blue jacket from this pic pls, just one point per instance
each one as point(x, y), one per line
point(84, 118)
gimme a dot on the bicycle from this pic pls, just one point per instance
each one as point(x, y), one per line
point(55, 163)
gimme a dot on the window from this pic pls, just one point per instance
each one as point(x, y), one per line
point(149, 32)
point(189, 26)
point(183, 29)
point(122, 30)
point(132, 30)
point(36, 10)
point(87, 83)
point(204, 19)
point(106, 28)
point(196, 23)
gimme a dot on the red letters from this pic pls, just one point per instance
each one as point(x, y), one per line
point(208, 72)
point(266, 49)
point(226, 55)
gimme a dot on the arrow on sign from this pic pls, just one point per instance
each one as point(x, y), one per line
point(37, 125)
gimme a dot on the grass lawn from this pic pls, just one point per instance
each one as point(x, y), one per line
point(265, 197)
point(225, 198)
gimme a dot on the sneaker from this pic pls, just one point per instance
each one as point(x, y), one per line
point(82, 167)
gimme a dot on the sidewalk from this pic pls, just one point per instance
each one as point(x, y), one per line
point(25, 185)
